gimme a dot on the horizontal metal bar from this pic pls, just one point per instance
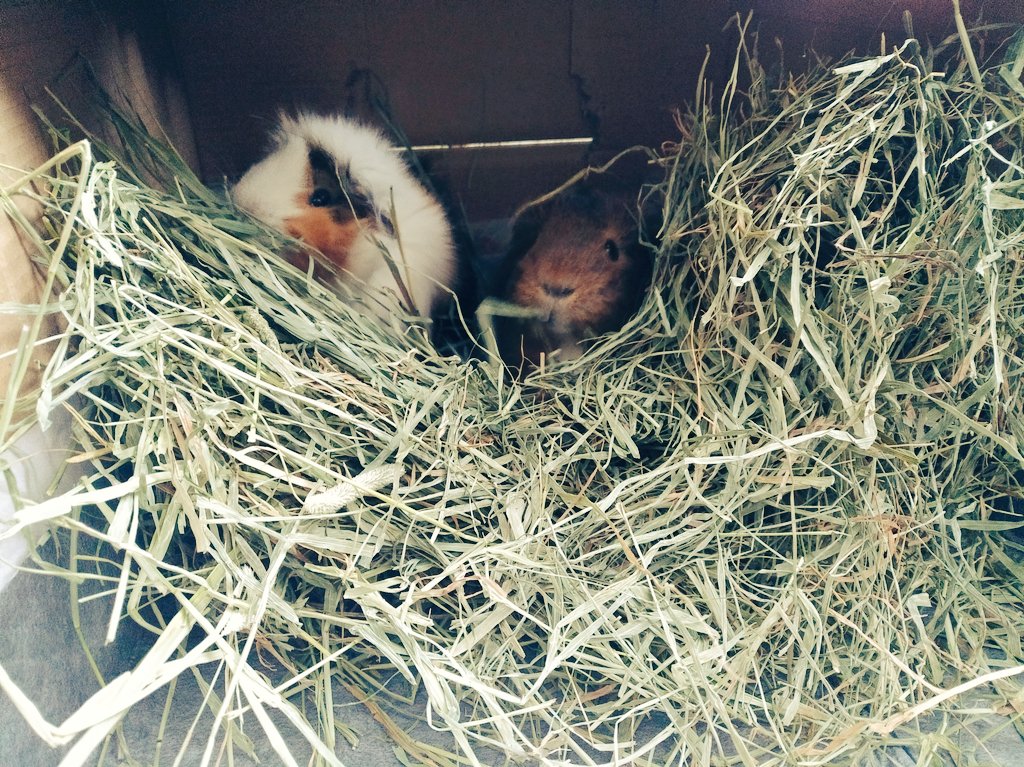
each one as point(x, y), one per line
point(520, 144)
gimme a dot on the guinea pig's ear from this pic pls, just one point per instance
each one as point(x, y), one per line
point(525, 230)
point(326, 188)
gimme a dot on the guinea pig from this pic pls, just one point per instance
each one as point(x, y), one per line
point(577, 261)
point(342, 188)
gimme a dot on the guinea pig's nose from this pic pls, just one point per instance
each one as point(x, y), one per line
point(557, 291)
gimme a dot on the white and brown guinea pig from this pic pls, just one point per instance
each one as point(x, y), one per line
point(340, 187)
point(577, 261)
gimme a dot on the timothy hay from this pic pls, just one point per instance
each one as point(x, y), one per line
point(775, 520)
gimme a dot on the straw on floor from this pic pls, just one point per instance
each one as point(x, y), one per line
point(776, 518)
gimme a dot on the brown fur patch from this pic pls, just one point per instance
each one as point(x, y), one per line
point(327, 231)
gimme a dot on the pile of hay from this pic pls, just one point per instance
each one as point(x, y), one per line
point(774, 520)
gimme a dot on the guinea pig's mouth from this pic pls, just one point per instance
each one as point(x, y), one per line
point(547, 317)
point(550, 311)
point(559, 328)
point(550, 321)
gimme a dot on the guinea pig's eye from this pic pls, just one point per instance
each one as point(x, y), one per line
point(320, 198)
point(612, 249)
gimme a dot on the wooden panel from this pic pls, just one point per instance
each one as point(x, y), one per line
point(639, 61)
point(44, 44)
point(37, 41)
point(493, 70)
point(453, 72)
point(835, 27)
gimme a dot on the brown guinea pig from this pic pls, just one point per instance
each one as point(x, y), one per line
point(578, 263)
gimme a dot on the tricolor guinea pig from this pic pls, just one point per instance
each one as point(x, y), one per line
point(577, 261)
point(343, 189)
